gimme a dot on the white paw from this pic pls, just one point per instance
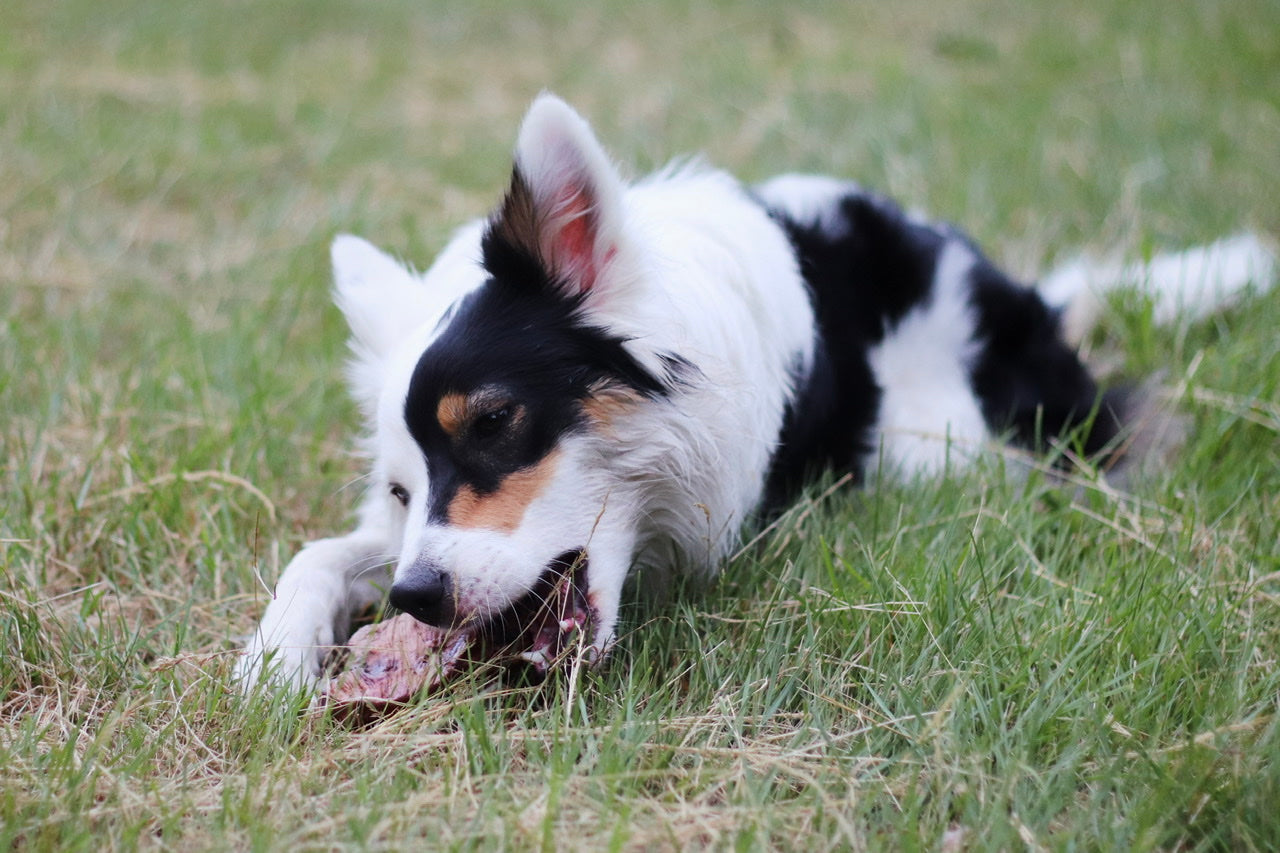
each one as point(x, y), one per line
point(289, 653)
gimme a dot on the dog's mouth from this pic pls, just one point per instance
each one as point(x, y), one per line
point(545, 623)
point(388, 662)
point(539, 628)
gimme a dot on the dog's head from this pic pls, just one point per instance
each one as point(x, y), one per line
point(490, 380)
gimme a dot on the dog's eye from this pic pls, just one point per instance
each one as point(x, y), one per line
point(491, 423)
point(400, 493)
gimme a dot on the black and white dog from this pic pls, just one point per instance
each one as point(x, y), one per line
point(607, 374)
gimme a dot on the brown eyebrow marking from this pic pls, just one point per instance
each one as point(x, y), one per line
point(456, 409)
point(451, 412)
point(504, 508)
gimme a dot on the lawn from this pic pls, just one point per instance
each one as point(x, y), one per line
point(983, 663)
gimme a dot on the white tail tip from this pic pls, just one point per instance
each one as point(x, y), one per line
point(1184, 285)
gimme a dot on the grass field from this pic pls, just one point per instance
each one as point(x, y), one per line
point(974, 664)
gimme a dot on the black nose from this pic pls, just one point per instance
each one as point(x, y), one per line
point(426, 594)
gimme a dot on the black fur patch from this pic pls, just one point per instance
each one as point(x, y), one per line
point(862, 278)
point(527, 345)
point(1027, 379)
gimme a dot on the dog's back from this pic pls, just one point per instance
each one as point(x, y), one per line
point(926, 351)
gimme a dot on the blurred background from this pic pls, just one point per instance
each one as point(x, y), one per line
point(172, 420)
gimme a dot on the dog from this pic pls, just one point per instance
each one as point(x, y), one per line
point(603, 375)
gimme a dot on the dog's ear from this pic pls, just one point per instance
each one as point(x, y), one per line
point(382, 301)
point(376, 293)
point(559, 223)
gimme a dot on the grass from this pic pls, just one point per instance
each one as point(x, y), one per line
point(980, 663)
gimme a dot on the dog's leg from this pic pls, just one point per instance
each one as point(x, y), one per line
point(322, 589)
point(611, 553)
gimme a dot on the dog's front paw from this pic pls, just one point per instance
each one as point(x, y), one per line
point(287, 656)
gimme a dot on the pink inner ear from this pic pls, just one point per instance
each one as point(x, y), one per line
point(573, 244)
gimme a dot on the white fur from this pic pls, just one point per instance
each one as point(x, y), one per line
point(809, 199)
point(384, 302)
point(929, 416)
point(1189, 284)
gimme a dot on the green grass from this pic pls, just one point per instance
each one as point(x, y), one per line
point(981, 663)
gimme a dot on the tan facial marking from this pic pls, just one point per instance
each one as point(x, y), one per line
point(604, 405)
point(451, 412)
point(502, 510)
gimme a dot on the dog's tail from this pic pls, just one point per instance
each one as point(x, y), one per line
point(1190, 284)
point(1185, 285)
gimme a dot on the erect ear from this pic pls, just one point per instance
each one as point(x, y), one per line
point(559, 221)
point(379, 296)
point(383, 302)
